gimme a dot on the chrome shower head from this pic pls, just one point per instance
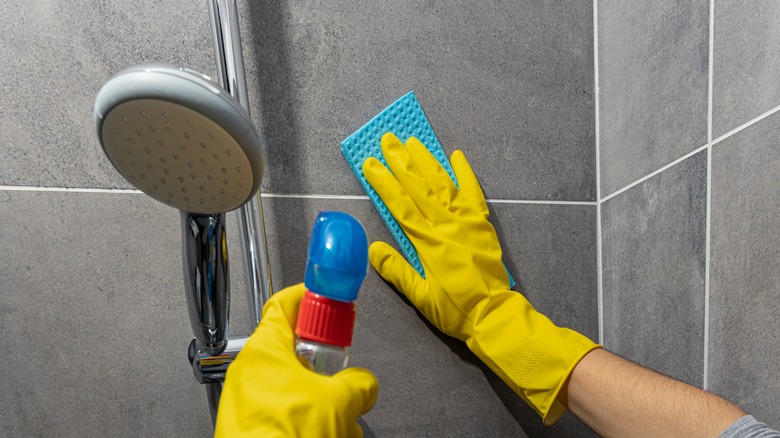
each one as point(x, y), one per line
point(179, 138)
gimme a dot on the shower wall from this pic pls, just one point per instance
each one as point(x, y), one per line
point(638, 215)
point(688, 206)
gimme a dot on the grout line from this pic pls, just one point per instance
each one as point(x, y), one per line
point(707, 234)
point(596, 101)
point(312, 196)
point(521, 201)
point(708, 211)
point(745, 125)
point(689, 154)
point(274, 195)
point(66, 189)
point(709, 82)
point(652, 174)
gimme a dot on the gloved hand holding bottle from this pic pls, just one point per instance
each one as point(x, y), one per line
point(465, 292)
point(268, 392)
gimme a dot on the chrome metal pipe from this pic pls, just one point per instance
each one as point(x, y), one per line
point(206, 278)
point(226, 38)
point(209, 362)
point(212, 369)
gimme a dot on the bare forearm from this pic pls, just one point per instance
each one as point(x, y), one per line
point(618, 398)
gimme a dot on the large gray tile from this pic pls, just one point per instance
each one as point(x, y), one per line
point(56, 55)
point(653, 70)
point(94, 322)
point(653, 242)
point(745, 63)
point(431, 385)
point(511, 84)
point(744, 362)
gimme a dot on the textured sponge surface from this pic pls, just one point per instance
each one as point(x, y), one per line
point(404, 118)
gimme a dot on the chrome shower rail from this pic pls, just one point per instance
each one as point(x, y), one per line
point(210, 360)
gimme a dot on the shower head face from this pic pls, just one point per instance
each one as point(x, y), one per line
point(179, 138)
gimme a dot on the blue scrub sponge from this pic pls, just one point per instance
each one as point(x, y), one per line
point(404, 118)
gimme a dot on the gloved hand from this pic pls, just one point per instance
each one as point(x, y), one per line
point(268, 392)
point(466, 292)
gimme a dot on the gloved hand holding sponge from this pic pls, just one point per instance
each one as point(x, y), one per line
point(465, 294)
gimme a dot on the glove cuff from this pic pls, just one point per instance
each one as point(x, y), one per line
point(527, 351)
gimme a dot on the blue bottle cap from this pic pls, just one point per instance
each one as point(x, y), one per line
point(337, 259)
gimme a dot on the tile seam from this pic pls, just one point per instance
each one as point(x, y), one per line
point(708, 208)
point(597, 139)
point(274, 195)
point(690, 154)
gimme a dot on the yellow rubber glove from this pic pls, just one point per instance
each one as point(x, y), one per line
point(466, 290)
point(269, 393)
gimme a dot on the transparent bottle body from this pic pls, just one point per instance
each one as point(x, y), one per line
point(321, 358)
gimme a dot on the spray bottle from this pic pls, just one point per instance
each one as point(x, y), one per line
point(336, 265)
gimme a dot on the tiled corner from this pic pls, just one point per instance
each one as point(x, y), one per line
point(511, 86)
point(744, 360)
point(745, 63)
point(94, 321)
point(653, 249)
point(653, 81)
point(56, 56)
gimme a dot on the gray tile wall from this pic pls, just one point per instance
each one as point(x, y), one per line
point(91, 302)
point(92, 307)
point(744, 279)
point(699, 304)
